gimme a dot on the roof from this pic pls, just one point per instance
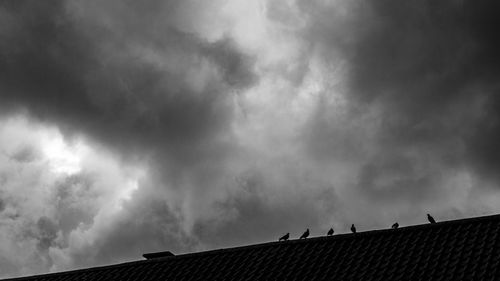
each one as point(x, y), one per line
point(467, 249)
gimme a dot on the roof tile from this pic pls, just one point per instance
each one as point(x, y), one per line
point(452, 250)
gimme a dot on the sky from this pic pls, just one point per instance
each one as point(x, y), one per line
point(129, 127)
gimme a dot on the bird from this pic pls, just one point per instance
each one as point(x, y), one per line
point(305, 234)
point(330, 232)
point(284, 237)
point(431, 219)
point(353, 229)
point(395, 225)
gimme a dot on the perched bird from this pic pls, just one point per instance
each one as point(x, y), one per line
point(305, 234)
point(395, 225)
point(284, 237)
point(353, 229)
point(330, 232)
point(431, 219)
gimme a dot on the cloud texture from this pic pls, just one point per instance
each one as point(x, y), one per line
point(132, 127)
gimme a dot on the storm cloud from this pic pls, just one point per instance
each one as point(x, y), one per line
point(187, 125)
point(421, 76)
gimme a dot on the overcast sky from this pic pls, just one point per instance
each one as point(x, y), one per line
point(129, 127)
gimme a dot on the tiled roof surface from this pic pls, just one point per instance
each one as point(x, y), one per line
point(467, 249)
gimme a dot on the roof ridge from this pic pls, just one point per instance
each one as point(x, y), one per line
point(268, 244)
point(73, 271)
point(336, 237)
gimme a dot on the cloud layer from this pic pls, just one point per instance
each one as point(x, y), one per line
point(187, 125)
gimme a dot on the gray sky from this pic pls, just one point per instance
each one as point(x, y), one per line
point(129, 127)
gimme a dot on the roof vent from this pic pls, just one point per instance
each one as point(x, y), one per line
point(156, 255)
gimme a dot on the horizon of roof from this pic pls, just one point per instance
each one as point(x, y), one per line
point(168, 254)
point(162, 256)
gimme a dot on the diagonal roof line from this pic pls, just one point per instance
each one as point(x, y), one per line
point(337, 236)
point(346, 236)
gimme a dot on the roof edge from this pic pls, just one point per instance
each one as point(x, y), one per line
point(266, 244)
point(340, 236)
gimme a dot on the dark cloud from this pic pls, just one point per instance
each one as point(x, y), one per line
point(25, 155)
point(353, 112)
point(253, 214)
point(74, 200)
point(128, 77)
point(145, 225)
point(172, 92)
point(421, 77)
point(236, 68)
point(432, 66)
point(2, 205)
point(46, 232)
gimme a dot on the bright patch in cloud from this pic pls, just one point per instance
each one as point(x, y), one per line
point(57, 196)
point(63, 157)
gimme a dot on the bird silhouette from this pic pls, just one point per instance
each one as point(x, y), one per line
point(284, 237)
point(395, 225)
point(353, 229)
point(431, 219)
point(330, 232)
point(305, 234)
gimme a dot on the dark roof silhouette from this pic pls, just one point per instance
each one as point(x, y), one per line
point(467, 249)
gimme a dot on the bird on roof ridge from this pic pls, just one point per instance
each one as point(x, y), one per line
point(353, 228)
point(284, 237)
point(330, 232)
point(431, 219)
point(395, 225)
point(305, 234)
